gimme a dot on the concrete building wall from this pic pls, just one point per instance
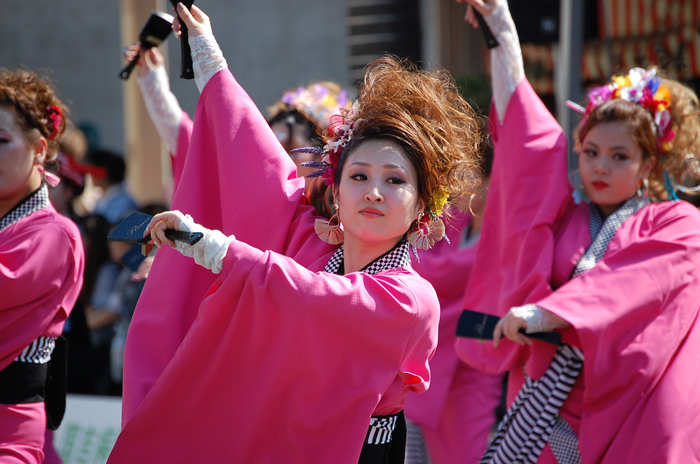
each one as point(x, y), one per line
point(271, 46)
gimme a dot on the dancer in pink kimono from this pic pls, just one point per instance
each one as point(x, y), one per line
point(618, 277)
point(41, 265)
point(455, 417)
point(280, 344)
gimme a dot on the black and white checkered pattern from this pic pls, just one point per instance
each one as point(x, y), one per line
point(564, 443)
point(396, 257)
point(335, 262)
point(39, 351)
point(602, 233)
point(381, 429)
point(34, 202)
point(533, 420)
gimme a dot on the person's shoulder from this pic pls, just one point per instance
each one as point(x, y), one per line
point(47, 222)
point(680, 210)
point(407, 280)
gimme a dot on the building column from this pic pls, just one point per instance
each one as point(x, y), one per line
point(149, 174)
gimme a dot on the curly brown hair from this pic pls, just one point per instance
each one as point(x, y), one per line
point(425, 114)
point(681, 161)
point(34, 100)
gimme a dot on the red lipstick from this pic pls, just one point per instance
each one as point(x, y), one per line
point(599, 184)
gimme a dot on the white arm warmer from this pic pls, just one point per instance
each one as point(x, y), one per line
point(210, 250)
point(162, 106)
point(207, 59)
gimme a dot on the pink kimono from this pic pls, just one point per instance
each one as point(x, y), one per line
point(457, 414)
point(41, 274)
point(273, 359)
point(634, 315)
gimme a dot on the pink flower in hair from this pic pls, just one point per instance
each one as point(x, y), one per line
point(54, 114)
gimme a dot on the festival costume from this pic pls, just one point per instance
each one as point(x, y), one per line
point(634, 314)
point(456, 415)
point(274, 360)
point(41, 273)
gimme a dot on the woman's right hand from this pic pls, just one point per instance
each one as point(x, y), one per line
point(162, 222)
point(196, 21)
point(149, 60)
point(485, 7)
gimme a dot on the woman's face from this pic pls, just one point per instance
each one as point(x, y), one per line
point(18, 156)
point(612, 165)
point(378, 193)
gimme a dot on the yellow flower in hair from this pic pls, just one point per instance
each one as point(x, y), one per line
point(622, 81)
point(439, 200)
point(663, 96)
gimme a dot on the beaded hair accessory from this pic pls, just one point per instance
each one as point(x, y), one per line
point(427, 229)
point(642, 87)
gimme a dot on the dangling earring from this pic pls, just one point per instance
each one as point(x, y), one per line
point(572, 178)
point(328, 230)
point(52, 179)
point(424, 234)
point(643, 189)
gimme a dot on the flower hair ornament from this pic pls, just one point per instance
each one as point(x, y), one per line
point(54, 116)
point(427, 229)
point(642, 87)
point(316, 102)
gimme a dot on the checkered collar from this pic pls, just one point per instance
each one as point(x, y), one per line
point(38, 199)
point(602, 232)
point(396, 257)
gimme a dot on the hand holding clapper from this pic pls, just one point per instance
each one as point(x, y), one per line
point(153, 33)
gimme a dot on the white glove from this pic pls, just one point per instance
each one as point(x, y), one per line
point(210, 250)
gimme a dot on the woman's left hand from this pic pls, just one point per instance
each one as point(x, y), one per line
point(196, 21)
point(162, 222)
point(528, 319)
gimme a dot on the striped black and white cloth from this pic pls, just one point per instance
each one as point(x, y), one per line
point(381, 429)
point(533, 420)
point(39, 351)
point(39, 199)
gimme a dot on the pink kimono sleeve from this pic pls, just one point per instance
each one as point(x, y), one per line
point(41, 274)
point(183, 144)
point(235, 178)
point(528, 193)
point(283, 361)
point(636, 316)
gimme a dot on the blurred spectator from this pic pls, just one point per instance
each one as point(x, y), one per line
point(113, 297)
point(115, 203)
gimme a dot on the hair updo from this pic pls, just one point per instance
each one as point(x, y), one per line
point(682, 161)
point(424, 113)
point(35, 105)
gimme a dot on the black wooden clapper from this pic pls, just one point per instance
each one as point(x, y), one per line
point(131, 230)
point(186, 66)
point(473, 324)
point(491, 41)
point(153, 33)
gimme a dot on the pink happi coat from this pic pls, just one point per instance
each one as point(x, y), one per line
point(273, 360)
point(457, 413)
point(634, 315)
point(41, 274)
